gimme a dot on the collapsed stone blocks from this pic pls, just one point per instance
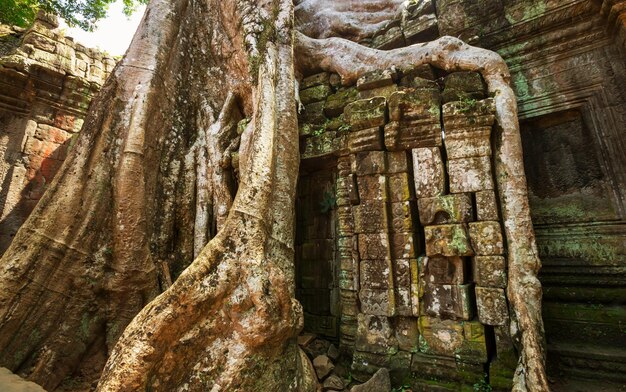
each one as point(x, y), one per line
point(447, 240)
point(456, 208)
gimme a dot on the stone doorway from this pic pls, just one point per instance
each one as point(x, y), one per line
point(316, 265)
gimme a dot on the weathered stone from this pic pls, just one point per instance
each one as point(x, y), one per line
point(486, 238)
point(402, 214)
point(486, 206)
point(365, 364)
point(474, 346)
point(409, 105)
point(402, 246)
point(407, 333)
point(315, 94)
point(398, 162)
point(468, 116)
point(315, 80)
point(370, 139)
point(489, 271)
point(411, 134)
point(371, 217)
point(452, 302)
point(375, 79)
point(455, 208)
point(470, 174)
point(333, 383)
point(376, 274)
point(378, 302)
point(492, 306)
point(428, 172)
point(402, 272)
point(415, 288)
point(372, 187)
point(422, 71)
point(476, 143)
point(462, 86)
point(335, 80)
point(439, 337)
point(385, 91)
point(400, 188)
point(447, 240)
point(336, 103)
point(323, 366)
point(379, 382)
point(313, 114)
point(442, 270)
point(349, 305)
point(333, 352)
point(375, 334)
point(306, 338)
point(370, 162)
point(366, 113)
point(391, 39)
point(403, 301)
point(307, 376)
point(421, 29)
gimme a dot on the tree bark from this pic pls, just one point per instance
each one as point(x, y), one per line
point(148, 185)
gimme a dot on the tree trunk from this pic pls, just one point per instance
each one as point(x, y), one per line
point(148, 184)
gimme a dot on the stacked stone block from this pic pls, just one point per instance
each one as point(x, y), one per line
point(422, 269)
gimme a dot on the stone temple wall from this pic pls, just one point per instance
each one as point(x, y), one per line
point(46, 84)
point(418, 252)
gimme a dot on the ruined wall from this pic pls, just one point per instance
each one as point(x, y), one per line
point(568, 72)
point(418, 248)
point(46, 84)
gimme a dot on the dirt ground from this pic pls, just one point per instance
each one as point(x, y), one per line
point(10, 382)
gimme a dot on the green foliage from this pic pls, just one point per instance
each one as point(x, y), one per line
point(467, 104)
point(344, 128)
point(318, 132)
point(483, 385)
point(402, 388)
point(82, 13)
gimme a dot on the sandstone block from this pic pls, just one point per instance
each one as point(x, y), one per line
point(455, 208)
point(366, 113)
point(470, 174)
point(402, 272)
point(447, 240)
point(315, 94)
point(376, 274)
point(492, 306)
point(404, 305)
point(336, 103)
point(375, 334)
point(442, 270)
point(402, 214)
point(345, 222)
point(474, 347)
point(410, 134)
point(315, 80)
point(371, 217)
point(420, 29)
point(453, 302)
point(489, 271)
point(380, 382)
point(400, 188)
point(428, 172)
point(398, 162)
point(472, 143)
point(333, 383)
point(378, 302)
point(375, 79)
point(486, 238)
point(402, 246)
point(391, 39)
point(370, 162)
point(370, 139)
point(439, 337)
point(463, 85)
point(313, 114)
point(486, 206)
point(349, 306)
point(385, 91)
point(372, 187)
point(408, 105)
point(323, 366)
point(407, 333)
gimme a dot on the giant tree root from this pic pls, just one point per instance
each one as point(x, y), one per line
point(351, 60)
